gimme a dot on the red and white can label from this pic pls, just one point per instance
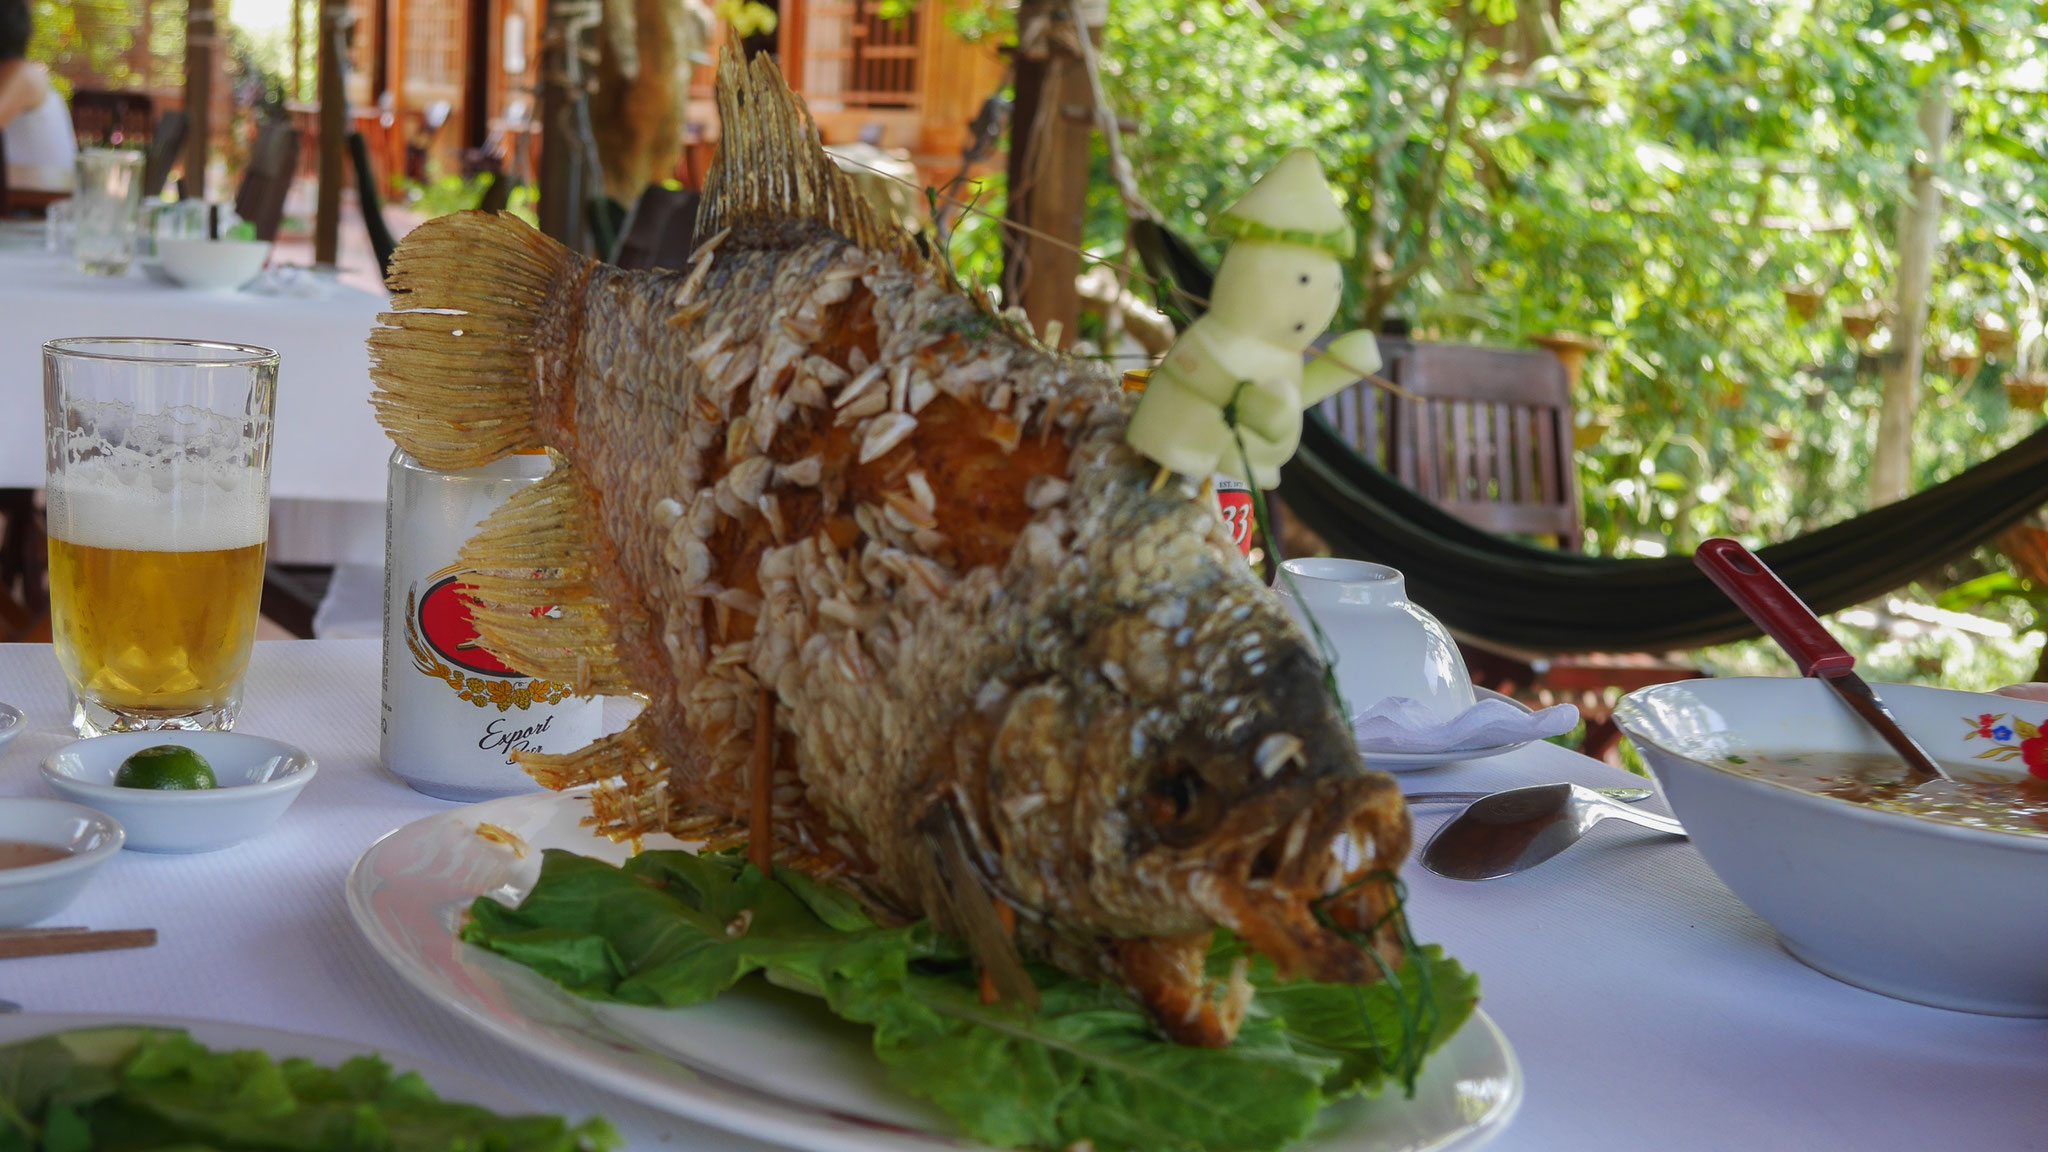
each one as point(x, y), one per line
point(1234, 504)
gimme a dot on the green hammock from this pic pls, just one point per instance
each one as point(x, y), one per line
point(1496, 589)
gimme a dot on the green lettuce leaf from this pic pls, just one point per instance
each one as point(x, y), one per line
point(141, 1089)
point(674, 928)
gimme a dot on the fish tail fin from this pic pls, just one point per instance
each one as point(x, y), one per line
point(455, 371)
point(634, 771)
point(535, 604)
point(771, 168)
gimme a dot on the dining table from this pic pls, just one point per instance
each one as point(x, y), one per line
point(1645, 1006)
point(328, 458)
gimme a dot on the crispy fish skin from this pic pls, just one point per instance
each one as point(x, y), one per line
point(1001, 666)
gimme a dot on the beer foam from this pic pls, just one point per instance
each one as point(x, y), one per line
point(141, 509)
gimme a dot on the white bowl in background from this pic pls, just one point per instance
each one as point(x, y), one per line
point(1385, 645)
point(258, 779)
point(40, 891)
point(211, 265)
point(1905, 905)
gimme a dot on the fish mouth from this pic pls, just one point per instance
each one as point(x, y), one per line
point(1308, 878)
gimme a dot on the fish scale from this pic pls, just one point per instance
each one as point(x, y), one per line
point(827, 514)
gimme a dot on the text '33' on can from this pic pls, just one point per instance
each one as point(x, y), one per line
point(453, 713)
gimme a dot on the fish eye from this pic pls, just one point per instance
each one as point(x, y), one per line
point(1175, 805)
point(1181, 790)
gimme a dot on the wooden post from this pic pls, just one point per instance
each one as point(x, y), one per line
point(334, 127)
point(395, 76)
point(298, 48)
point(1048, 169)
point(199, 66)
point(562, 163)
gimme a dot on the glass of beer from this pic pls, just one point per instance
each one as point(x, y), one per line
point(158, 458)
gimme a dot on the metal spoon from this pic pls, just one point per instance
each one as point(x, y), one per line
point(1512, 831)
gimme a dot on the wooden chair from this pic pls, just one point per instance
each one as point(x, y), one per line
point(112, 119)
point(661, 231)
point(24, 600)
point(165, 145)
point(1487, 435)
point(381, 241)
point(272, 162)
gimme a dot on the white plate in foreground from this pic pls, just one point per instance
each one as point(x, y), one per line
point(770, 1065)
point(225, 1036)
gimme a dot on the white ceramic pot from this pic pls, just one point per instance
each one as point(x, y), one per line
point(1384, 645)
point(1952, 916)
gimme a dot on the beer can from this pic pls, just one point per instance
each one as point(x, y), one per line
point(1234, 504)
point(453, 713)
point(1233, 496)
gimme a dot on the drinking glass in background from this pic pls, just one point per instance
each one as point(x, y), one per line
point(158, 459)
point(57, 226)
point(104, 210)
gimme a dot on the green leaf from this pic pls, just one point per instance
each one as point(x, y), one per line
point(129, 1090)
point(674, 928)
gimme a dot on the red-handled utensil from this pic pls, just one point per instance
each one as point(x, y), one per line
point(1786, 618)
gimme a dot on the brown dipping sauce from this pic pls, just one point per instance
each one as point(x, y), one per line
point(21, 854)
point(1975, 799)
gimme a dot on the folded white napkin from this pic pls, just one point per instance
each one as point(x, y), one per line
point(1398, 724)
point(292, 281)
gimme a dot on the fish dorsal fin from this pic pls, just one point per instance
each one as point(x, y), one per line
point(771, 168)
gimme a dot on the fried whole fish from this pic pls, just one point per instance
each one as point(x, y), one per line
point(899, 597)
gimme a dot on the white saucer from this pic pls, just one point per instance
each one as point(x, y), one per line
point(11, 723)
point(1416, 761)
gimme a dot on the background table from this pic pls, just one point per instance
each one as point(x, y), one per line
point(1649, 1008)
point(328, 460)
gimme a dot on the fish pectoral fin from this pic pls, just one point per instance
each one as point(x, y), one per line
point(1168, 976)
point(535, 605)
point(454, 362)
point(958, 891)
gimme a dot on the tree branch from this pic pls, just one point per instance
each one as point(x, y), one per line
point(1421, 210)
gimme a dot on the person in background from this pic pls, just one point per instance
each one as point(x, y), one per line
point(34, 123)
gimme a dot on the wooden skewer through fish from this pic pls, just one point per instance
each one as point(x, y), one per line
point(760, 822)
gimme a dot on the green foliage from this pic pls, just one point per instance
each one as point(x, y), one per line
point(675, 928)
point(460, 193)
point(1655, 185)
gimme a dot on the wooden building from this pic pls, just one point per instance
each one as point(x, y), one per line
point(912, 81)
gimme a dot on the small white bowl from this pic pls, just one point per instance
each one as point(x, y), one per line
point(211, 265)
point(258, 779)
point(1385, 644)
point(1919, 909)
point(40, 891)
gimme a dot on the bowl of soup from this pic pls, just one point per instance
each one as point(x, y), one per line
point(49, 850)
point(1934, 892)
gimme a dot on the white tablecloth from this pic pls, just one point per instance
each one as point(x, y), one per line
point(328, 460)
point(1649, 1009)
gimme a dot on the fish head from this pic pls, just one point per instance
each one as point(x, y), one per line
point(1180, 762)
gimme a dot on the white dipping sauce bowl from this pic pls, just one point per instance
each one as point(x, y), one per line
point(258, 779)
point(1914, 908)
point(40, 891)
